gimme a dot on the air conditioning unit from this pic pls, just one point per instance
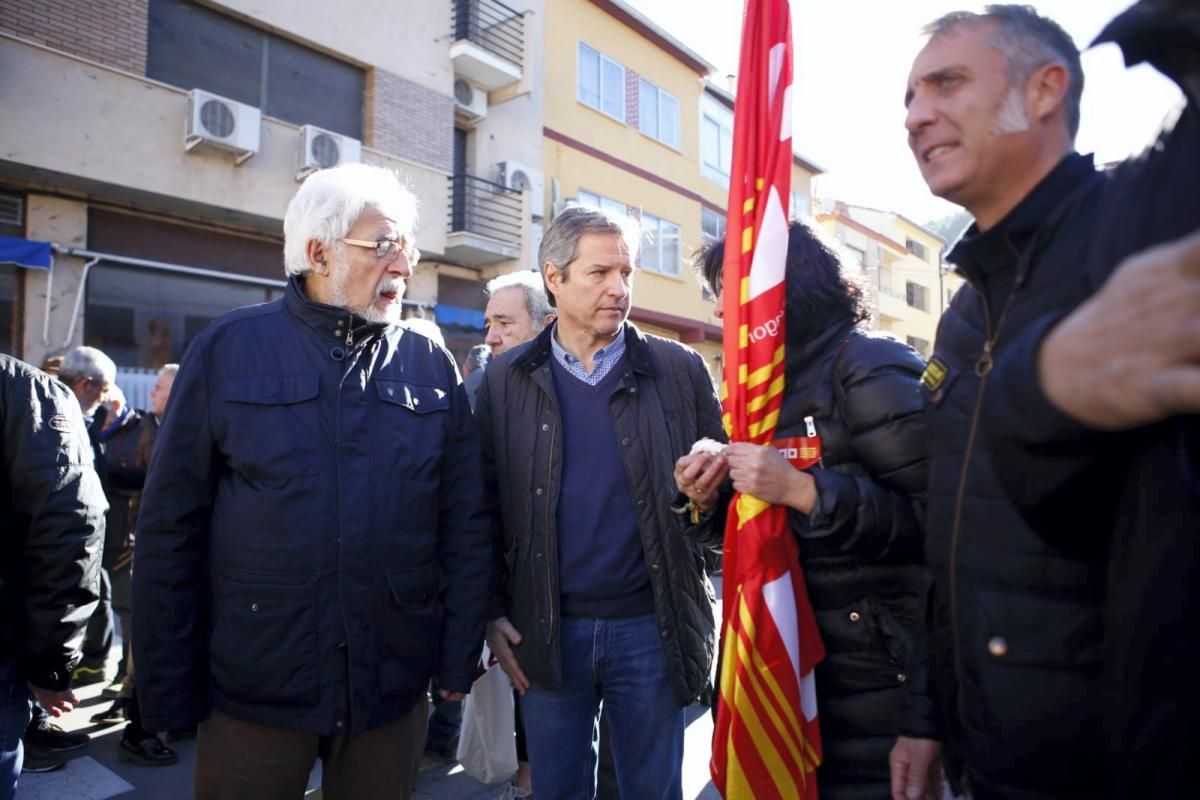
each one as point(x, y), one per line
point(321, 149)
point(223, 123)
point(537, 232)
point(470, 102)
point(520, 177)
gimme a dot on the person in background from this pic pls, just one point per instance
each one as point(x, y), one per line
point(517, 310)
point(472, 369)
point(856, 515)
point(51, 533)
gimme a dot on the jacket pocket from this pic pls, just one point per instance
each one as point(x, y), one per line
point(264, 642)
point(415, 418)
point(409, 630)
point(272, 428)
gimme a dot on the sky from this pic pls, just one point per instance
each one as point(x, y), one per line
point(852, 58)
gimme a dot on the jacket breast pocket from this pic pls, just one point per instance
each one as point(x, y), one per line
point(272, 426)
point(409, 630)
point(264, 640)
point(414, 424)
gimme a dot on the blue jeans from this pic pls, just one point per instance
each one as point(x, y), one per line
point(14, 716)
point(621, 663)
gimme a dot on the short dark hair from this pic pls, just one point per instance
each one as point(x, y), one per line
point(477, 358)
point(818, 295)
point(1027, 40)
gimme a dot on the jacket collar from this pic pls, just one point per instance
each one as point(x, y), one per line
point(637, 351)
point(999, 248)
point(800, 355)
point(329, 323)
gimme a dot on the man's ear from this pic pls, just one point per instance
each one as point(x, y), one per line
point(319, 256)
point(1046, 91)
point(553, 276)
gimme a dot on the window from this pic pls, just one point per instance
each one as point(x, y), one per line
point(9, 285)
point(660, 245)
point(658, 113)
point(593, 200)
point(918, 344)
point(916, 248)
point(800, 205)
point(915, 295)
point(712, 225)
point(716, 141)
point(601, 82)
point(191, 46)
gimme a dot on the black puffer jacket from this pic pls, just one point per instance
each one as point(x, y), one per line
point(861, 548)
point(51, 525)
point(666, 402)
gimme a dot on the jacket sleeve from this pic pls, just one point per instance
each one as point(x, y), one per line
point(498, 600)
point(170, 574)
point(464, 547)
point(876, 514)
point(49, 460)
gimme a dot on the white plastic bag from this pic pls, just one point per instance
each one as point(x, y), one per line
point(487, 745)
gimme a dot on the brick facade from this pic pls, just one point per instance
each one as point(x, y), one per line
point(112, 32)
point(408, 120)
point(632, 108)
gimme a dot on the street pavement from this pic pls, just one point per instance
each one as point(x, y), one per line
point(97, 774)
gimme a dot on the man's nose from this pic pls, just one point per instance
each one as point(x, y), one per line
point(492, 337)
point(401, 266)
point(919, 114)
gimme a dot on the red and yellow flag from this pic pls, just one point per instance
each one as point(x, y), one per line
point(766, 743)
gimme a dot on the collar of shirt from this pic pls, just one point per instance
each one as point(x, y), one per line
point(603, 361)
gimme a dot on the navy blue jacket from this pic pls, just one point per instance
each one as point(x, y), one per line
point(311, 549)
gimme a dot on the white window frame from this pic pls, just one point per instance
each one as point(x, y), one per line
point(653, 128)
point(594, 200)
point(602, 60)
point(652, 242)
point(706, 214)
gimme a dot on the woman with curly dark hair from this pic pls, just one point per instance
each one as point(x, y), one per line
point(856, 516)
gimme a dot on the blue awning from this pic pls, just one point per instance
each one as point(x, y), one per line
point(459, 317)
point(24, 253)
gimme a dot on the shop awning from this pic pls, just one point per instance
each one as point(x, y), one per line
point(459, 317)
point(24, 253)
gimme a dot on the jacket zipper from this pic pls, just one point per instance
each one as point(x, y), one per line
point(550, 531)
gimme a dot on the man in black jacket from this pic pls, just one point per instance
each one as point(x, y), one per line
point(605, 597)
point(993, 107)
point(311, 549)
point(52, 524)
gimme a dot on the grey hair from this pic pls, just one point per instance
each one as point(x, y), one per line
point(330, 201)
point(87, 362)
point(560, 243)
point(168, 369)
point(537, 303)
point(1028, 41)
point(477, 358)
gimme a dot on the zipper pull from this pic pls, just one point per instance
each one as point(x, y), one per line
point(985, 363)
point(810, 427)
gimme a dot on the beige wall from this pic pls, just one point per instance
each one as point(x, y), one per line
point(63, 222)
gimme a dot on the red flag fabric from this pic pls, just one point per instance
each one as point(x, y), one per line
point(766, 743)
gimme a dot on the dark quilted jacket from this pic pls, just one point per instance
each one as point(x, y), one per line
point(666, 402)
point(861, 548)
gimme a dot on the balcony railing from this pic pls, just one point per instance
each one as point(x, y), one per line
point(486, 221)
point(493, 26)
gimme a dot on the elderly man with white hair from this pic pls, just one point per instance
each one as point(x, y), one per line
point(311, 550)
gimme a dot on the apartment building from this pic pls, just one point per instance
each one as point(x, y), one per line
point(154, 145)
point(633, 124)
point(899, 265)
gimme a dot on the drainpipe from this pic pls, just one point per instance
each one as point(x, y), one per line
point(49, 294)
point(79, 300)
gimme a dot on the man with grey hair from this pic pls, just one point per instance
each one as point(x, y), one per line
point(603, 596)
point(311, 548)
point(1019, 537)
point(517, 310)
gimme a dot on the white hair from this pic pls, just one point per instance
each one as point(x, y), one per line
point(532, 288)
point(427, 328)
point(87, 362)
point(330, 201)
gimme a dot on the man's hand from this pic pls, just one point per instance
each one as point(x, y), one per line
point(916, 766)
point(501, 636)
point(1130, 355)
point(453, 697)
point(764, 472)
point(699, 476)
point(57, 703)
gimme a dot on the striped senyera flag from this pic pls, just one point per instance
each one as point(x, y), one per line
point(766, 743)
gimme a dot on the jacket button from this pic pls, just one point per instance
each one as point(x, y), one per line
point(340, 724)
point(666, 633)
point(539, 492)
point(254, 606)
point(537, 555)
point(998, 646)
point(855, 616)
point(625, 441)
point(633, 390)
point(654, 568)
point(641, 503)
point(901, 677)
point(545, 426)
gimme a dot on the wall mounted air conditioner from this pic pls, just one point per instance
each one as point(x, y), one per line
point(520, 177)
point(470, 102)
point(223, 123)
point(321, 149)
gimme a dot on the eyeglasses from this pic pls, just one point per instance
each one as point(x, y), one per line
point(389, 249)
